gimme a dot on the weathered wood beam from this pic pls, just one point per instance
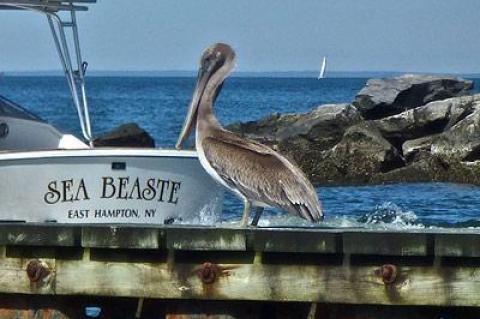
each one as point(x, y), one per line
point(15, 279)
point(452, 286)
point(351, 242)
point(122, 237)
point(295, 241)
point(354, 284)
point(35, 235)
point(457, 245)
point(386, 243)
point(206, 238)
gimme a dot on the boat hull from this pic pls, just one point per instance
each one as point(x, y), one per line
point(106, 186)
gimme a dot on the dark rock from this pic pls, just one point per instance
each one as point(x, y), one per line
point(424, 170)
point(418, 148)
point(460, 138)
point(385, 97)
point(361, 153)
point(263, 129)
point(433, 169)
point(125, 135)
point(433, 118)
point(324, 126)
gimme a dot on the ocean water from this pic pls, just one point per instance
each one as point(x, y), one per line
point(158, 104)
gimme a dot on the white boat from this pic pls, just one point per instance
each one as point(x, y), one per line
point(23, 130)
point(321, 75)
point(48, 176)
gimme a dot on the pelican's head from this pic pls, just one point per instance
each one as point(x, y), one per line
point(216, 57)
point(216, 63)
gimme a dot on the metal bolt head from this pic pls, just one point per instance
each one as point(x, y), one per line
point(36, 270)
point(208, 273)
point(388, 273)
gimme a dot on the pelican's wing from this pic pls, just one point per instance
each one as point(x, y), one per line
point(262, 175)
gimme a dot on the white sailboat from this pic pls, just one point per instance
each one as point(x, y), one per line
point(321, 75)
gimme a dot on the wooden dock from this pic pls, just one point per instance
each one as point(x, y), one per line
point(311, 269)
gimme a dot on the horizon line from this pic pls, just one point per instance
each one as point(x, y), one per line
point(190, 73)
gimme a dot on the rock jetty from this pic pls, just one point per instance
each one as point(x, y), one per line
point(410, 128)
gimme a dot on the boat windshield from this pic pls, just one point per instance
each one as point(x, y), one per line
point(10, 109)
point(62, 19)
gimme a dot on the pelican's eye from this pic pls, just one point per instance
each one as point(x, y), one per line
point(208, 65)
point(210, 59)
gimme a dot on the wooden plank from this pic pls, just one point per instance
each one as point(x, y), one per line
point(203, 238)
point(412, 243)
point(385, 243)
point(295, 241)
point(457, 245)
point(416, 285)
point(14, 278)
point(121, 237)
point(37, 235)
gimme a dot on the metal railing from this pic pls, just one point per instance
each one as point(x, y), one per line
point(59, 25)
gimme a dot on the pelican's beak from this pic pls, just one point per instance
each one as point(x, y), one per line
point(191, 118)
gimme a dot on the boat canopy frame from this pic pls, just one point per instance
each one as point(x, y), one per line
point(59, 25)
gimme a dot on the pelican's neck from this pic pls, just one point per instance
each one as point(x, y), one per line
point(205, 112)
point(206, 120)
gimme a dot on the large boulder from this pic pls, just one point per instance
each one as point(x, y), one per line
point(433, 118)
point(459, 141)
point(324, 125)
point(385, 97)
point(361, 154)
point(125, 135)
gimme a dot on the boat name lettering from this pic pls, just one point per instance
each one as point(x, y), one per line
point(127, 188)
point(66, 191)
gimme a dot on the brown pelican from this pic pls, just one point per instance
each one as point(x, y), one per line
point(253, 171)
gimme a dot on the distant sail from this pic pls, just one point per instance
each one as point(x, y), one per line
point(322, 70)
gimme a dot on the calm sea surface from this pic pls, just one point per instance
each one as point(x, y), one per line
point(159, 106)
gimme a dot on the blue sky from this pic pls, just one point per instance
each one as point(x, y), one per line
point(268, 35)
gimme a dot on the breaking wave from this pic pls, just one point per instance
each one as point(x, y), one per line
point(383, 216)
point(390, 214)
point(208, 215)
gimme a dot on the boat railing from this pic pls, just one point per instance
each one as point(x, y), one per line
point(61, 16)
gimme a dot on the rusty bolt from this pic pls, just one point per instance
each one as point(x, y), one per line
point(388, 272)
point(209, 273)
point(36, 270)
